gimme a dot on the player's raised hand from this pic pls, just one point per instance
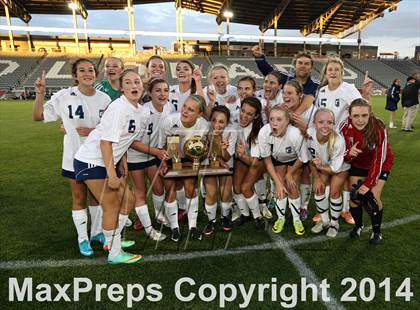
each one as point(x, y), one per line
point(40, 84)
point(197, 73)
point(367, 85)
point(354, 151)
point(257, 51)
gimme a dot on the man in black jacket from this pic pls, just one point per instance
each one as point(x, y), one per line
point(410, 101)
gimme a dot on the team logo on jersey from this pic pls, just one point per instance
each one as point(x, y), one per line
point(73, 93)
point(101, 112)
point(175, 126)
point(173, 91)
point(322, 90)
point(312, 151)
point(371, 146)
point(288, 149)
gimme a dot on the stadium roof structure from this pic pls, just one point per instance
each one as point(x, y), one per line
point(333, 17)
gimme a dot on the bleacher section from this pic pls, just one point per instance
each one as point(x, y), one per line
point(405, 66)
point(14, 69)
point(379, 72)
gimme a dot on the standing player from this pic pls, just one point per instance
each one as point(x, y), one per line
point(370, 156)
point(79, 108)
point(186, 124)
point(392, 98)
point(114, 66)
point(284, 150)
point(101, 161)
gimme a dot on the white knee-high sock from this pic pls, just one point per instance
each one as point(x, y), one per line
point(80, 219)
point(254, 206)
point(113, 240)
point(226, 208)
point(322, 207)
point(158, 205)
point(95, 220)
point(171, 211)
point(346, 201)
point(192, 206)
point(281, 208)
point(143, 214)
point(305, 195)
point(122, 219)
point(261, 189)
point(211, 211)
point(242, 205)
point(294, 205)
point(180, 197)
point(335, 208)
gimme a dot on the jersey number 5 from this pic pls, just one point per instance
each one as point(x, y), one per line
point(79, 112)
point(150, 129)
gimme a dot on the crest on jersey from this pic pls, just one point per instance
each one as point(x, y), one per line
point(289, 150)
point(101, 112)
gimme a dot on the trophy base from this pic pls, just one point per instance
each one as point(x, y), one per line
point(190, 172)
point(214, 164)
point(177, 166)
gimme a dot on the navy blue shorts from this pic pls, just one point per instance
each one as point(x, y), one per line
point(359, 172)
point(68, 174)
point(143, 165)
point(85, 171)
point(280, 163)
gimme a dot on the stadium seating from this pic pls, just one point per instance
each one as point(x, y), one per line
point(405, 66)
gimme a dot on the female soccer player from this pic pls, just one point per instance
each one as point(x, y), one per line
point(219, 121)
point(248, 168)
point(144, 157)
point(186, 124)
point(79, 108)
point(284, 150)
point(101, 161)
point(326, 148)
point(392, 98)
point(270, 95)
point(370, 156)
point(155, 69)
point(114, 66)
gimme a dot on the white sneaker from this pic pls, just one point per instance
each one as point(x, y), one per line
point(128, 223)
point(265, 212)
point(156, 236)
point(236, 213)
point(333, 230)
point(392, 126)
point(319, 226)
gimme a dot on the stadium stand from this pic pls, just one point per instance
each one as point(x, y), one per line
point(378, 71)
point(14, 68)
point(404, 66)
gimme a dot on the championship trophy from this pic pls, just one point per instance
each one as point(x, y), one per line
point(215, 150)
point(196, 149)
point(174, 152)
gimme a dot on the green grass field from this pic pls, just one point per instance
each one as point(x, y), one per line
point(36, 226)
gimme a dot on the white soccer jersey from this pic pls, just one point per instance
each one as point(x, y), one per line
point(287, 148)
point(75, 110)
point(222, 99)
point(242, 137)
point(172, 126)
point(176, 98)
point(120, 124)
point(150, 136)
point(338, 101)
point(271, 103)
point(336, 161)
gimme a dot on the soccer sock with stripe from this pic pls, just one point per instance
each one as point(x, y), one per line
point(322, 208)
point(80, 219)
point(335, 209)
point(242, 205)
point(192, 207)
point(181, 199)
point(143, 214)
point(158, 205)
point(113, 240)
point(211, 211)
point(254, 205)
point(305, 195)
point(357, 215)
point(226, 208)
point(294, 205)
point(376, 219)
point(171, 211)
point(281, 208)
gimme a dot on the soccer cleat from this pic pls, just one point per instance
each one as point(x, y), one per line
point(138, 225)
point(299, 229)
point(182, 214)
point(156, 235)
point(98, 238)
point(332, 230)
point(209, 229)
point(194, 234)
point(278, 226)
point(303, 214)
point(319, 227)
point(356, 232)
point(375, 238)
point(236, 213)
point(85, 248)
point(176, 235)
point(347, 217)
point(124, 258)
point(260, 223)
point(316, 218)
point(265, 212)
point(124, 244)
point(226, 223)
point(241, 220)
point(128, 223)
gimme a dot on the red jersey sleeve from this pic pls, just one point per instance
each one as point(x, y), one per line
point(379, 156)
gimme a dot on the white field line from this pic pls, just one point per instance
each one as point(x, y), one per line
point(27, 264)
